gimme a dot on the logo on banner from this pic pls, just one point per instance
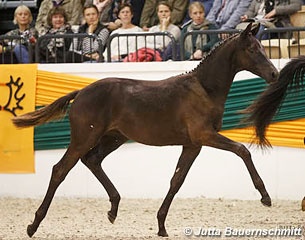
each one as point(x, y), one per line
point(14, 97)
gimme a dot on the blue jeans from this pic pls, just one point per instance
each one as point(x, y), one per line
point(22, 53)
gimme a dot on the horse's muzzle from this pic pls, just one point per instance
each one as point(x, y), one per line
point(274, 75)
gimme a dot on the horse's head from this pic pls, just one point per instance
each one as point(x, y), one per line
point(251, 55)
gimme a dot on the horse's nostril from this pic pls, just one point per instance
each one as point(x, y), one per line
point(274, 74)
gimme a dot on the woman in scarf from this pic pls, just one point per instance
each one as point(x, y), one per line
point(52, 50)
point(196, 45)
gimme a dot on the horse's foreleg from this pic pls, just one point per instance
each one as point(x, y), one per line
point(93, 161)
point(59, 172)
point(221, 142)
point(185, 162)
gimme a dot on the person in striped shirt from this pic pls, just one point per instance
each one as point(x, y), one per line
point(89, 49)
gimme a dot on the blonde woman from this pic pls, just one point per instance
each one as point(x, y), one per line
point(196, 45)
point(23, 18)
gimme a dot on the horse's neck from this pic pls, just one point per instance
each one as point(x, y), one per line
point(216, 74)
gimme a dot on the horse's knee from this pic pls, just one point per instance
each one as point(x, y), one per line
point(59, 173)
point(90, 162)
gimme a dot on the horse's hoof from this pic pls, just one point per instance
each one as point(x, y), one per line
point(111, 217)
point(162, 233)
point(30, 230)
point(266, 201)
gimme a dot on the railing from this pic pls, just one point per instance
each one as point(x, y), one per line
point(200, 33)
point(68, 55)
point(15, 3)
point(284, 43)
point(8, 43)
point(141, 40)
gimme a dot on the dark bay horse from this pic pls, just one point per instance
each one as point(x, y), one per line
point(182, 110)
point(267, 105)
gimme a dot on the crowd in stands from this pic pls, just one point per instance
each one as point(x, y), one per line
point(94, 22)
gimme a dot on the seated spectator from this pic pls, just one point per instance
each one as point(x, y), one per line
point(207, 6)
point(20, 49)
point(196, 45)
point(161, 43)
point(149, 16)
point(136, 5)
point(52, 50)
point(105, 7)
point(226, 14)
point(122, 46)
point(88, 49)
point(73, 10)
point(271, 15)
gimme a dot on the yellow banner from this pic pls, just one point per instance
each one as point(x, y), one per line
point(51, 85)
point(287, 134)
point(17, 96)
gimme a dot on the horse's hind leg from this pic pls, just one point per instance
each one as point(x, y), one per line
point(59, 172)
point(185, 162)
point(221, 142)
point(93, 160)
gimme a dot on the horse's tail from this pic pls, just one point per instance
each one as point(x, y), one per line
point(50, 112)
point(265, 107)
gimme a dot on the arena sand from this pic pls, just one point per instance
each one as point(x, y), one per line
point(86, 218)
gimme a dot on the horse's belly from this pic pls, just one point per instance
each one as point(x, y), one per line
point(156, 136)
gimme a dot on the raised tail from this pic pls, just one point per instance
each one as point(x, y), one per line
point(266, 106)
point(53, 111)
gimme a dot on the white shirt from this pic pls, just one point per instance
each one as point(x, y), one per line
point(122, 46)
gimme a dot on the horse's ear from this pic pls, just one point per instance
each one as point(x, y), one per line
point(255, 28)
point(247, 30)
point(252, 29)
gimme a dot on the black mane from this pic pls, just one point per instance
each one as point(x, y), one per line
point(215, 48)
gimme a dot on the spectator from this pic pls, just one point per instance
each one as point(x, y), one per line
point(122, 46)
point(226, 13)
point(196, 45)
point(149, 15)
point(271, 13)
point(73, 10)
point(160, 42)
point(136, 5)
point(104, 8)
point(207, 4)
point(52, 50)
point(88, 49)
point(23, 47)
